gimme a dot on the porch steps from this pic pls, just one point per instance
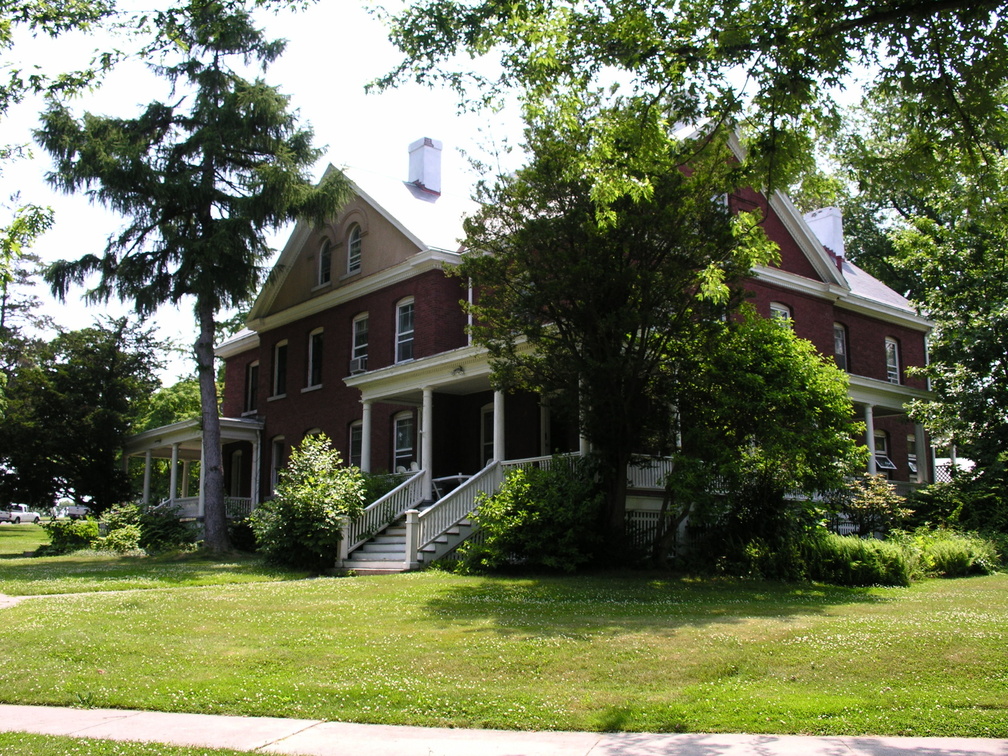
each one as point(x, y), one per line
point(385, 554)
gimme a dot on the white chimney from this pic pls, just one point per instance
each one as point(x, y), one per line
point(827, 224)
point(425, 165)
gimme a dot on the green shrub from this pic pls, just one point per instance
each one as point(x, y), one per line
point(540, 519)
point(301, 526)
point(946, 552)
point(66, 536)
point(241, 534)
point(377, 485)
point(119, 516)
point(162, 529)
point(872, 504)
point(849, 560)
point(122, 539)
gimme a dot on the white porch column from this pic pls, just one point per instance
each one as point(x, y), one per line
point(147, 474)
point(365, 452)
point(498, 426)
point(202, 480)
point(256, 469)
point(920, 450)
point(173, 476)
point(185, 478)
point(869, 421)
point(427, 440)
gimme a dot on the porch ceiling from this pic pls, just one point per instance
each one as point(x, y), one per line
point(886, 398)
point(188, 434)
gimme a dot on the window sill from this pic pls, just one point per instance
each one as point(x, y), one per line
point(250, 413)
point(349, 274)
point(321, 286)
point(275, 397)
point(316, 387)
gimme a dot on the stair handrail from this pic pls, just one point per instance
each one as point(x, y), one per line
point(455, 506)
point(382, 512)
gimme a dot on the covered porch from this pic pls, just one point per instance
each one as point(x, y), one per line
point(875, 402)
point(181, 445)
point(463, 422)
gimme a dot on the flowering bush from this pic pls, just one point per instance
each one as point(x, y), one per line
point(302, 525)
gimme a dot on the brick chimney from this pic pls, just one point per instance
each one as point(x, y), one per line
point(425, 165)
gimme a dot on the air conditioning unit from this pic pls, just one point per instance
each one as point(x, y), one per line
point(358, 365)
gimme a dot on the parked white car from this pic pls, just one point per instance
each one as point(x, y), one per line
point(18, 513)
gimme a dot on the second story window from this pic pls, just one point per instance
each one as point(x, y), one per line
point(354, 249)
point(251, 387)
point(315, 358)
point(359, 344)
point(404, 330)
point(781, 313)
point(840, 346)
point(280, 369)
point(892, 360)
point(325, 263)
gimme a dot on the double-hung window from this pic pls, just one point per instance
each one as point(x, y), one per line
point(356, 443)
point(325, 263)
point(840, 346)
point(404, 330)
point(280, 368)
point(892, 360)
point(359, 344)
point(315, 358)
point(403, 455)
point(781, 313)
point(354, 249)
point(252, 386)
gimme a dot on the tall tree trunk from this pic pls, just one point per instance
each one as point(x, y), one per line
point(614, 482)
point(214, 515)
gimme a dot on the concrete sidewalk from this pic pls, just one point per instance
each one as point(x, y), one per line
point(307, 736)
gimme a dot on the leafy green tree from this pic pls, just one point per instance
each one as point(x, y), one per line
point(25, 221)
point(201, 181)
point(773, 65)
point(301, 525)
point(767, 416)
point(70, 411)
point(587, 296)
point(872, 504)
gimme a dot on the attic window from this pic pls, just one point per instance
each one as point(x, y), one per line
point(325, 263)
point(354, 249)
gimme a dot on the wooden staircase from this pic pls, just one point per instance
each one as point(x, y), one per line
point(386, 553)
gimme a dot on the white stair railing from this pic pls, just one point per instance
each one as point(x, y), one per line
point(423, 527)
point(381, 513)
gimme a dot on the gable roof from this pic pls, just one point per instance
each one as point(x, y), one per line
point(431, 221)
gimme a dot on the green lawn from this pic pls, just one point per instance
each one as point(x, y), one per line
point(614, 652)
point(24, 744)
point(100, 571)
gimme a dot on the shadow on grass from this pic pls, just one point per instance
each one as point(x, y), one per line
point(561, 605)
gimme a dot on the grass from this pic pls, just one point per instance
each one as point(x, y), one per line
point(24, 744)
point(89, 571)
point(612, 652)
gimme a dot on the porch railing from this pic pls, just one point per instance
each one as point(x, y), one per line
point(238, 507)
point(381, 513)
point(542, 463)
point(423, 527)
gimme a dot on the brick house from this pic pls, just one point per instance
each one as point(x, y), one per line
point(359, 334)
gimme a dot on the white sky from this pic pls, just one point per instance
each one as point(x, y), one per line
point(334, 49)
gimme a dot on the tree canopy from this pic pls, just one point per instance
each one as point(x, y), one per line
point(589, 296)
point(776, 67)
point(72, 401)
point(200, 181)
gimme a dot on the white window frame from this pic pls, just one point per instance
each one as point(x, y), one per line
point(324, 270)
point(781, 312)
point(486, 433)
point(358, 345)
point(882, 461)
point(316, 352)
point(354, 247)
point(399, 453)
point(892, 357)
point(279, 374)
point(404, 338)
point(840, 350)
point(251, 403)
